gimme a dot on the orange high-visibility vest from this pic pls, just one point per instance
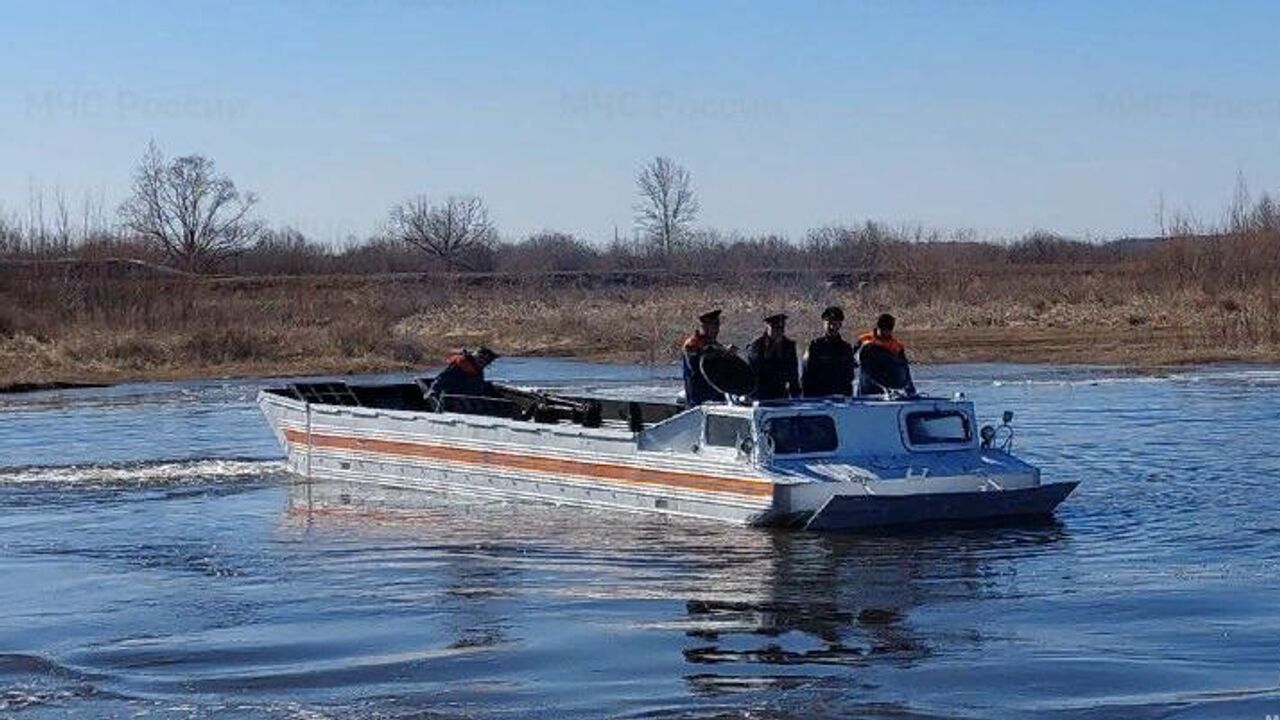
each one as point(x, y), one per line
point(891, 344)
point(466, 363)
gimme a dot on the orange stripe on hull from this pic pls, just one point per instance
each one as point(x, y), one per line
point(604, 471)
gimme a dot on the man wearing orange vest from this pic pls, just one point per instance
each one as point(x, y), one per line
point(697, 389)
point(882, 361)
point(464, 375)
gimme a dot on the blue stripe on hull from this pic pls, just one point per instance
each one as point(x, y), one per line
point(848, 512)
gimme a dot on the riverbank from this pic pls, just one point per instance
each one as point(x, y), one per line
point(1146, 351)
point(108, 329)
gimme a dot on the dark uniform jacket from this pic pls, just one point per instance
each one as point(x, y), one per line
point(882, 365)
point(829, 367)
point(776, 367)
point(462, 376)
point(696, 388)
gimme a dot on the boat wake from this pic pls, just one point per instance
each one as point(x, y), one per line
point(174, 472)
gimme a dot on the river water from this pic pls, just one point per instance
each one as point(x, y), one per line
point(150, 567)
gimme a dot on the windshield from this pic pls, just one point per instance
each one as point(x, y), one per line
point(727, 431)
point(938, 427)
point(801, 434)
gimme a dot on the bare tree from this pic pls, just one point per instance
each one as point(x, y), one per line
point(548, 251)
point(849, 248)
point(93, 222)
point(188, 210)
point(449, 231)
point(667, 206)
point(63, 231)
point(37, 225)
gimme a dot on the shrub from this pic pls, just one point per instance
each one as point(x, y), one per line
point(409, 352)
point(359, 336)
point(230, 343)
point(135, 351)
point(8, 321)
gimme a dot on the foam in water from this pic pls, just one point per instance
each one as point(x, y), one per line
point(1250, 376)
point(150, 473)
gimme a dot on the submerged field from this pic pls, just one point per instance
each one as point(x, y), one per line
point(101, 323)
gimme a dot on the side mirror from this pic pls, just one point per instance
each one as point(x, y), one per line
point(746, 445)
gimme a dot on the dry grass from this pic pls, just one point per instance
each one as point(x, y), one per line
point(69, 325)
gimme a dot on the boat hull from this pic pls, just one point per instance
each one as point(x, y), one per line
point(496, 483)
point(854, 512)
point(384, 453)
point(421, 453)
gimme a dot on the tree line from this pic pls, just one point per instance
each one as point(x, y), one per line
point(185, 213)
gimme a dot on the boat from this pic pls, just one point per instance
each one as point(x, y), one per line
point(819, 464)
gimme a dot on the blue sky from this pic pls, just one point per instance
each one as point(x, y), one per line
point(1001, 117)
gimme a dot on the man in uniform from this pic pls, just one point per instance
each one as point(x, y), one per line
point(464, 375)
point(829, 363)
point(697, 389)
point(882, 361)
point(773, 358)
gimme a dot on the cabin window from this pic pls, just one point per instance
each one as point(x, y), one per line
point(941, 427)
point(727, 430)
point(802, 434)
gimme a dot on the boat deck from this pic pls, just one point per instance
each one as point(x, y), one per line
point(507, 402)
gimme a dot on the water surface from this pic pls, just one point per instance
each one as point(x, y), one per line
point(150, 567)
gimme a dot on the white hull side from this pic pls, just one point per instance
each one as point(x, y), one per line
point(364, 459)
point(481, 457)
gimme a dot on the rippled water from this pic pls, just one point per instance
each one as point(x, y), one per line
point(149, 566)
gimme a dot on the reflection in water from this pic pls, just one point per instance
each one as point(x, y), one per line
point(760, 609)
point(839, 600)
point(472, 588)
point(471, 577)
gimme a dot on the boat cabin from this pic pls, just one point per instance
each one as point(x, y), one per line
point(813, 429)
